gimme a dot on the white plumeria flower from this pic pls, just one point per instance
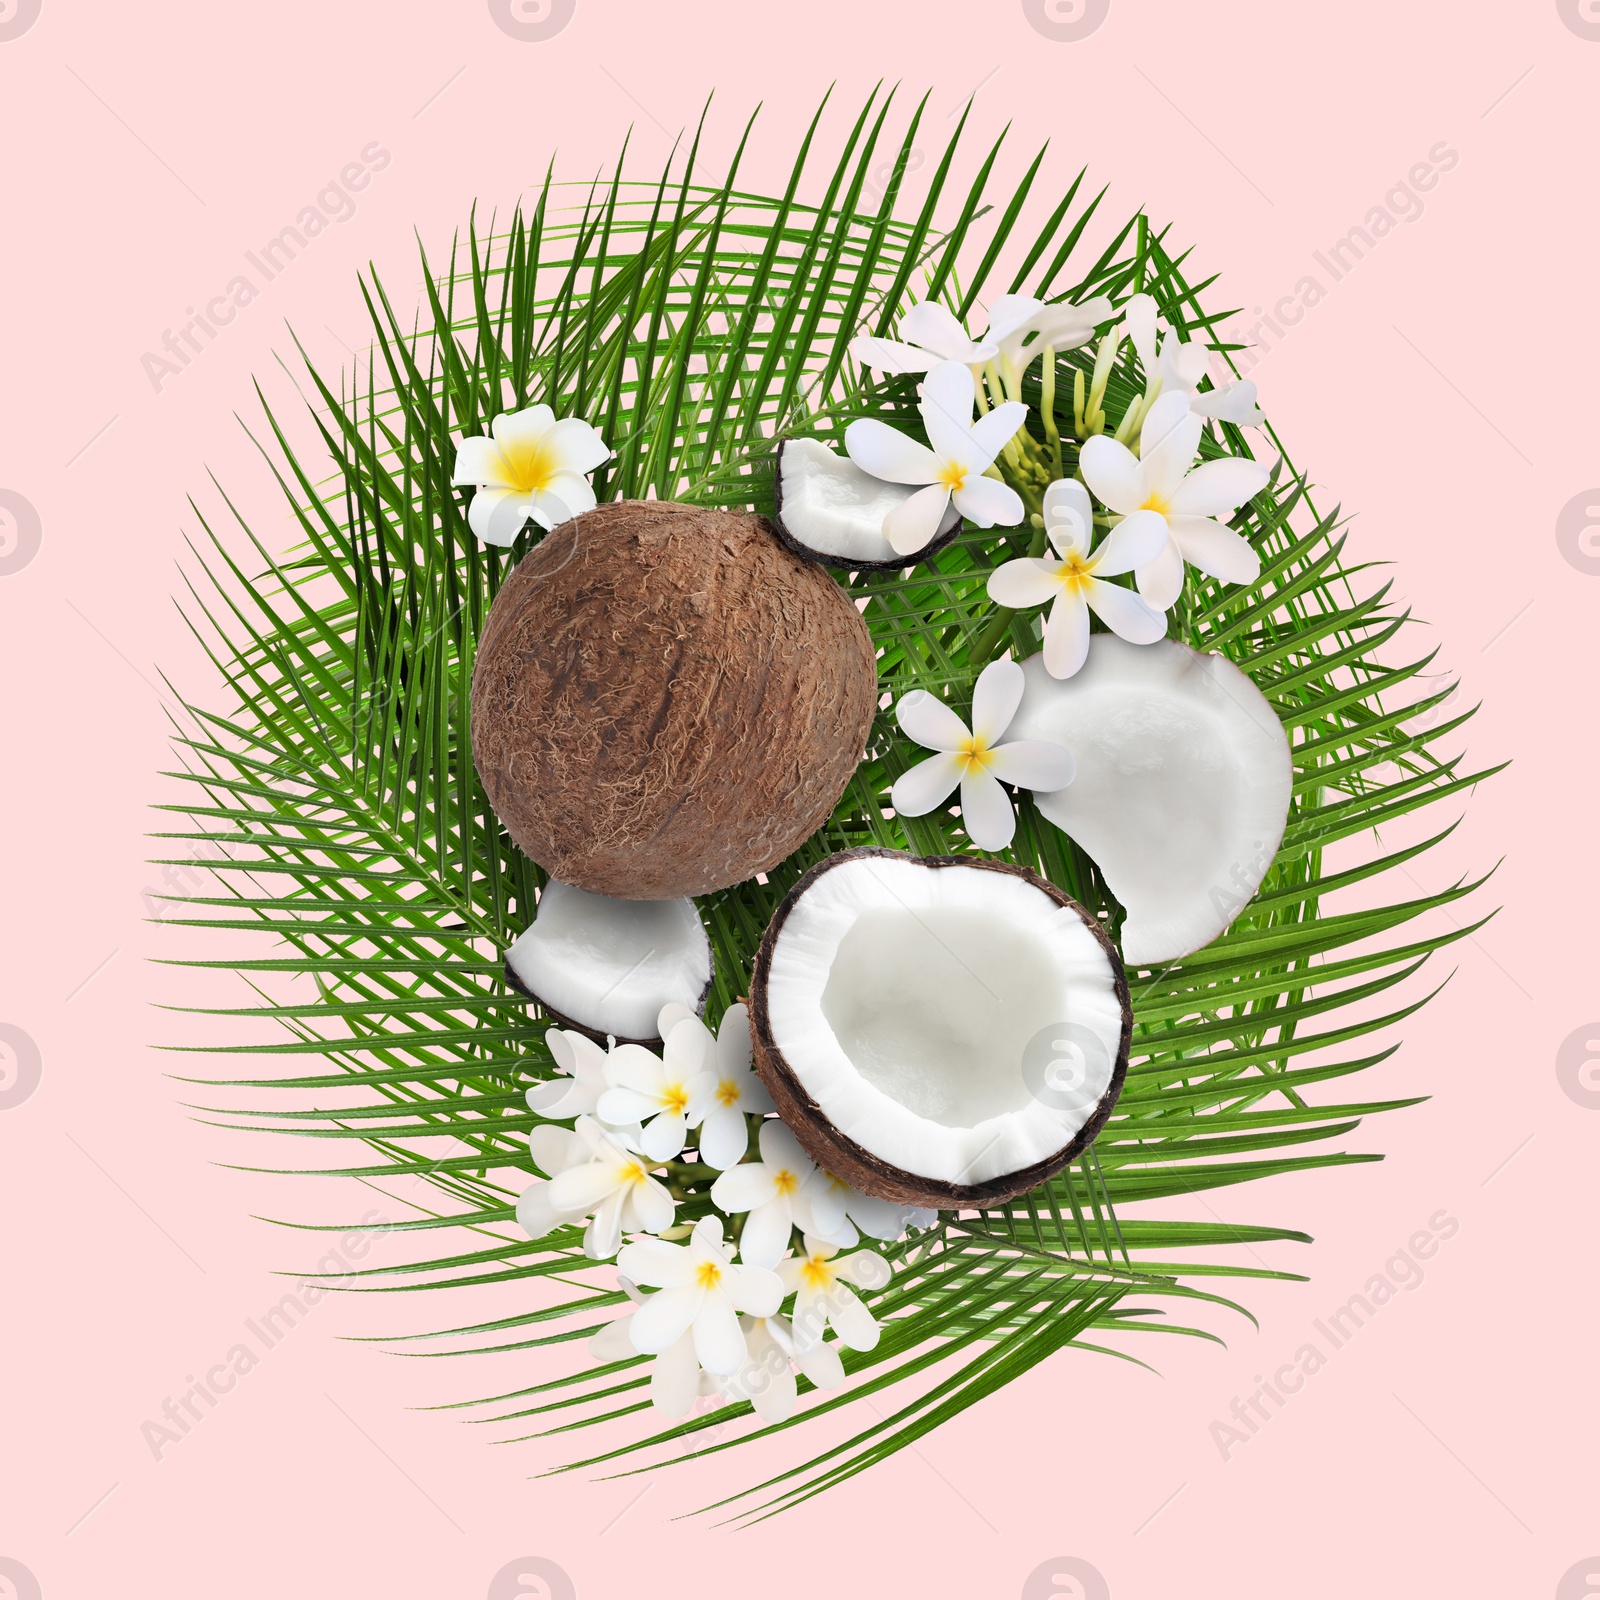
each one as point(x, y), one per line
point(1023, 327)
point(766, 1189)
point(533, 466)
point(1230, 402)
point(592, 1174)
point(766, 1379)
point(953, 469)
point(700, 1292)
point(675, 1376)
point(830, 1209)
point(1158, 487)
point(576, 1093)
point(661, 1088)
point(819, 1281)
point(1074, 578)
point(975, 758)
point(1181, 364)
point(729, 1092)
point(929, 334)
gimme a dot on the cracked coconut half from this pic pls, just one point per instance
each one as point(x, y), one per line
point(607, 967)
point(1182, 788)
point(938, 1031)
point(829, 510)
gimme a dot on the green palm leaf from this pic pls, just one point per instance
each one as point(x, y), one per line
point(335, 800)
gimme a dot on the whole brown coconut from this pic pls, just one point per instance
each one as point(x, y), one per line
point(667, 701)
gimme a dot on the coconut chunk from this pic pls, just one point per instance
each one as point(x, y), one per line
point(939, 1032)
point(1183, 785)
point(829, 510)
point(608, 967)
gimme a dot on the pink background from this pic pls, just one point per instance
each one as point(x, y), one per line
point(1444, 390)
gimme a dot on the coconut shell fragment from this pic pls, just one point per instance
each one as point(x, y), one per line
point(667, 701)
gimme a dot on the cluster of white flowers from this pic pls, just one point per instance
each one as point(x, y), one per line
point(714, 1322)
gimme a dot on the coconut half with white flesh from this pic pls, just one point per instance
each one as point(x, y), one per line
point(607, 967)
point(938, 1031)
point(829, 510)
point(1182, 790)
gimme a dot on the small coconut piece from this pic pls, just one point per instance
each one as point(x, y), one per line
point(1183, 784)
point(666, 701)
point(938, 1031)
point(829, 510)
point(606, 967)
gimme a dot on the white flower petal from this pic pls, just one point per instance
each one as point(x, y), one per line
point(1161, 582)
point(890, 355)
point(1113, 472)
point(766, 1232)
point(631, 1066)
point(995, 698)
point(722, 1137)
point(577, 446)
point(675, 1378)
point(949, 393)
point(620, 1107)
point(780, 1148)
point(1027, 581)
point(733, 1041)
point(652, 1206)
point(564, 497)
point(481, 461)
point(1035, 764)
point(887, 453)
point(993, 432)
point(656, 1264)
point(1134, 542)
point(1066, 636)
point(1126, 614)
point(1231, 402)
point(927, 785)
point(927, 719)
point(743, 1188)
point(878, 1219)
point(1215, 487)
point(1068, 515)
point(914, 524)
point(513, 428)
point(755, 1291)
point(934, 326)
point(1168, 439)
point(664, 1318)
point(497, 516)
point(1183, 364)
point(856, 1327)
point(718, 1338)
point(988, 503)
point(613, 1342)
point(536, 1215)
point(986, 812)
point(1215, 549)
point(1139, 324)
point(821, 1364)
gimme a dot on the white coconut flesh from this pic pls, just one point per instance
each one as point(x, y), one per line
point(609, 966)
point(1182, 788)
point(919, 1007)
point(829, 505)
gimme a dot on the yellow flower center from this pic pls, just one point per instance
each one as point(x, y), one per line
point(728, 1092)
point(953, 476)
point(531, 464)
point(708, 1275)
point(633, 1173)
point(675, 1098)
point(1156, 502)
point(974, 754)
point(785, 1181)
point(818, 1272)
point(1074, 573)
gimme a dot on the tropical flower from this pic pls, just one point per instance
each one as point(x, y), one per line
point(929, 334)
point(975, 758)
point(819, 1281)
point(1024, 327)
point(1075, 579)
point(766, 1379)
point(766, 1189)
point(953, 469)
point(701, 1292)
point(576, 1093)
point(829, 1208)
point(661, 1088)
point(675, 1376)
point(593, 1174)
point(1180, 365)
point(728, 1093)
point(533, 466)
point(1230, 402)
point(1158, 487)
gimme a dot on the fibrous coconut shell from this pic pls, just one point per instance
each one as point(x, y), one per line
point(667, 701)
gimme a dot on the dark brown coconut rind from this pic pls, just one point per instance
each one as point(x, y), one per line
point(667, 701)
point(602, 1039)
point(841, 1155)
point(847, 563)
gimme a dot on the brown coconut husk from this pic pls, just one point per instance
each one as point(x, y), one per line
point(667, 701)
point(859, 1167)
